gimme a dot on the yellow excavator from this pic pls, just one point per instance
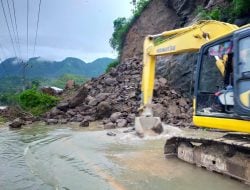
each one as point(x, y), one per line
point(221, 96)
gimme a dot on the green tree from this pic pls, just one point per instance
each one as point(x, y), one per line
point(122, 25)
point(120, 28)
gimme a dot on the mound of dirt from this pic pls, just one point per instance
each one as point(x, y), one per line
point(115, 98)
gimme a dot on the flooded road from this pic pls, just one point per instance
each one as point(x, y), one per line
point(46, 158)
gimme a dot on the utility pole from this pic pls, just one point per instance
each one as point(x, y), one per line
point(24, 74)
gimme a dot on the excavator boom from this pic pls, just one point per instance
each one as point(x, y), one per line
point(188, 39)
point(184, 40)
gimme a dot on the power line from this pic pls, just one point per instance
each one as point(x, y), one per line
point(11, 20)
point(6, 21)
point(18, 39)
point(37, 24)
point(27, 29)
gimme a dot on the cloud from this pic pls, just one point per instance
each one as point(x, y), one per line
point(76, 28)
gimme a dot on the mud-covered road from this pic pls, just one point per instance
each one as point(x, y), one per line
point(45, 158)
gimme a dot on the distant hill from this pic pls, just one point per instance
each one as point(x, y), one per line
point(39, 67)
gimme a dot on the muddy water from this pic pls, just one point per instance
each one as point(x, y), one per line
point(45, 158)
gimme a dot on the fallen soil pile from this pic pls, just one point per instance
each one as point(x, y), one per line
point(115, 98)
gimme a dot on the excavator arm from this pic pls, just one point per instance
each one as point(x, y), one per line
point(189, 39)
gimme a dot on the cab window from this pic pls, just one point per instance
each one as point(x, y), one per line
point(244, 55)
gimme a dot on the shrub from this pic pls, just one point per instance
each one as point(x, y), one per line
point(235, 9)
point(241, 7)
point(36, 102)
point(112, 65)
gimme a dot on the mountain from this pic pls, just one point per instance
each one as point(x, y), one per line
point(39, 67)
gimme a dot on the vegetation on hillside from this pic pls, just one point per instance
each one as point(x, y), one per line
point(112, 65)
point(38, 67)
point(122, 26)
point(236, 9)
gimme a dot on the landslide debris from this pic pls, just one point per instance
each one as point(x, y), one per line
point(115, 97)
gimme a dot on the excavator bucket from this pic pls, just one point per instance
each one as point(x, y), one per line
point(148, 126)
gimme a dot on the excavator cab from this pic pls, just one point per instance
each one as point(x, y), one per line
point(222, 91)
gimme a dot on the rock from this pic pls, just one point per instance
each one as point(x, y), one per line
point(17, 123)
point(63, 106)
point(79, 97)
point(129, 130)
point(156, 85)
point(84, 123)
point(71, 113)
point(159, 110)
point(93, 102)
point(109, 125)
point(111, 133)
point(182, 102)
point(162, 81)
point(63, 121)
point(132, 94)
point(113, 73)
point(131, 118)
point(173, 109)
point(110, 81)
point(158, 128)
point(89, 118)
point(51, 121)
point(55, 112)
point(121, 123)
point(105, 121)
point(70, 84)
point(79, 118)
point(102, 96)
point(115, 116)
point(104, 109)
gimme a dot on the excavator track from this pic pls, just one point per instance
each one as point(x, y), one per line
point(225, 153)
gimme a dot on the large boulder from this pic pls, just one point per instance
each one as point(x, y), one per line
point(115, 116)
point(109, 125)
point(110, 81)
point(104, 110)
point(121, 123)
point(79, 97)
point(101, 97)
point(63, 106)
point(17, 123)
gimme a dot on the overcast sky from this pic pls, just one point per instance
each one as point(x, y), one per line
point(76, 28)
